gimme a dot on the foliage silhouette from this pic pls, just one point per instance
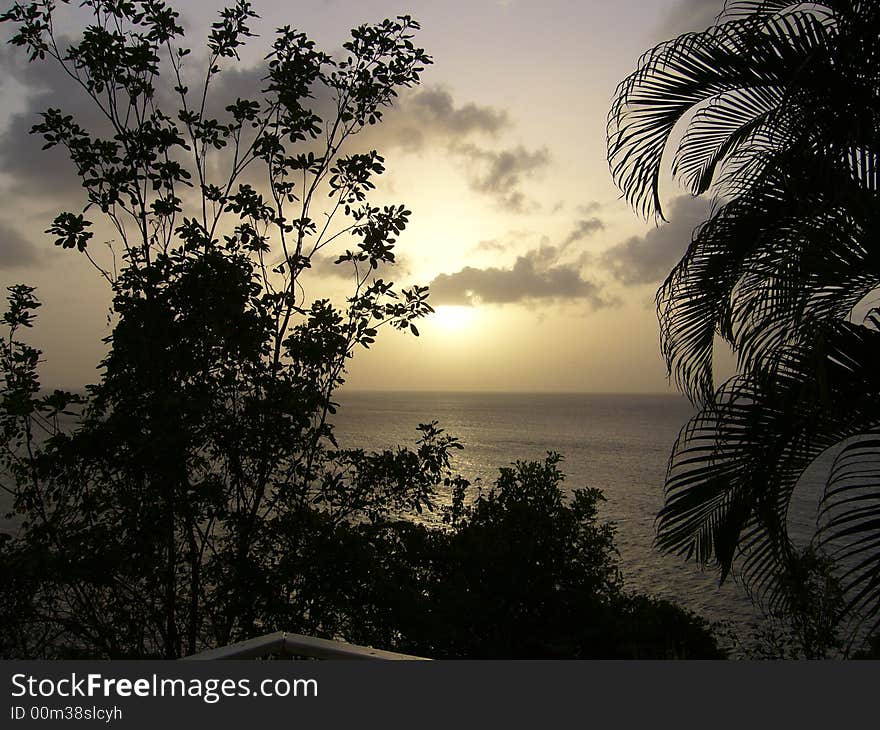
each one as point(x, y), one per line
point(775, 110)
point(522, 572)
point(196, 495)
point(155, 525)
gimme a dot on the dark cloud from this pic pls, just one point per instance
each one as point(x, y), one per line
point(48, 86)
point(583, 229)
point(537, 275)
point(418, 118)
point(511, 241)
point(500, 173)
point(427, 118)
point(424, 118)
point(435, 107)
point(241, 82)
point(431, 115)
point(589, 207)
point(689, 15)
point(15, 250)
point(21, 155)
point(649, 258)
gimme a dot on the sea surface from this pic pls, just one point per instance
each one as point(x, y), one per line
point(619, 443)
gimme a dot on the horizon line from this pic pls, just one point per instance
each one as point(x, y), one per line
point(474, 391)
point(448, 391)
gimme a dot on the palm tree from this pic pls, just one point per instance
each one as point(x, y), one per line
point(775, 110)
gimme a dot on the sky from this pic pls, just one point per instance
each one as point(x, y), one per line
point(542, 277)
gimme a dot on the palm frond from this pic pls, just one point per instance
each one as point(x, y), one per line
point(776, 110)
point(734, 9)
point(718, 129)
point(746, 61)
point(787, 252)
point(736, 464)
point(849, 520)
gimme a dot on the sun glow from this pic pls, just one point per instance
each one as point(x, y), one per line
point(452, 318)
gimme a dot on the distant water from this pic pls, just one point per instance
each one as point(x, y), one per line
point(619, 443)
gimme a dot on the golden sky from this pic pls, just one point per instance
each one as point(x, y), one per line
point(543, 279)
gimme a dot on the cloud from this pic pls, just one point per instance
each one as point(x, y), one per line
point(537, 275)
point(425, 118)
point(434, 106)
point(500, 173)
point(46, 85)
point(589, 207)
point(431, 115)
point(583, 229)
point(511, 240)
point(689, 15)
point(238, 82)
point(326, 267)
point(649, 258)
point(15, 250)
point(21, 155)
point(490, 244)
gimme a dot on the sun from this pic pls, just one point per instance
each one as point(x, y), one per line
point(453, 318)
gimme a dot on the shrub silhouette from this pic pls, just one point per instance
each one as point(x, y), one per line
point(522, 573)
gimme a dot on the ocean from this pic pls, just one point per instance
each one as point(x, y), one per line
point(618, 443)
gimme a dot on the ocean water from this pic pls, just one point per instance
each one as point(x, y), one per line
point(619, 443)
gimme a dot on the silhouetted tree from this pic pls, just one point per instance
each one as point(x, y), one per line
point(176, 513)
point(775, 109)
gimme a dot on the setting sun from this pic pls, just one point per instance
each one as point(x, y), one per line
point(453, 318)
